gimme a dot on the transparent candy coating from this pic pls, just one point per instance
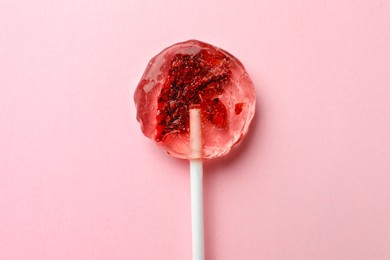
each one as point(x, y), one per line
point(188, 74)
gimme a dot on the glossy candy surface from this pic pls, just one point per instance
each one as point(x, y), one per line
point(195, 74)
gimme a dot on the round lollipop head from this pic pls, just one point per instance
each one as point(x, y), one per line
point(195, 74)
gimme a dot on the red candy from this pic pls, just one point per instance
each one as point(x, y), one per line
point(195, 74)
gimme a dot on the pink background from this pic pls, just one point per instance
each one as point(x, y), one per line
point(79, 181)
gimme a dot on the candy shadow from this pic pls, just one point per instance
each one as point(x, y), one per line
point(216, 167)
point(240, 150)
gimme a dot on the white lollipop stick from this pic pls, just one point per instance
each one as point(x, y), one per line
point(196, 171)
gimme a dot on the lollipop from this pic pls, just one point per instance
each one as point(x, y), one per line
point(196, 101)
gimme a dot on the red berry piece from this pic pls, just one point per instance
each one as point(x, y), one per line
point(238, 108)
